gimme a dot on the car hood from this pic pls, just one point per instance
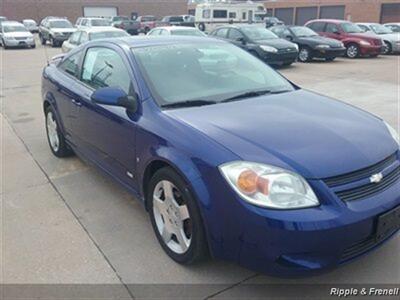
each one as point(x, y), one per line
point(18, 34)
point(300, 131)
point(390, 36)
point(276, 43)
point(317, 39)
point(63, 30)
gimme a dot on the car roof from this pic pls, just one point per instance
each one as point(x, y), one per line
point(144, 40)
point(93, 18)
point(100, 29)
point(11, 23)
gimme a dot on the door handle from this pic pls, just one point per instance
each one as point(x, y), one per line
point(76, 102)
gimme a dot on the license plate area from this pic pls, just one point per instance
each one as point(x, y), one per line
point(387, 224)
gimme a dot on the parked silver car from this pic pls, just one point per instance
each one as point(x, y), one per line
point(14, 34)
point(391, 40)
point(92, 22)
point(395, 27)
point(176, 30)
point(88, 34)
point(31, 25)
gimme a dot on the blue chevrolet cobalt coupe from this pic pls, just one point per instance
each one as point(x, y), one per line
point(230, 159)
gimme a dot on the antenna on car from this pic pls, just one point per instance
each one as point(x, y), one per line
point(46, 54)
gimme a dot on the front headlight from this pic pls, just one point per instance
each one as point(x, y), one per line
point(268, 186)
point(323, 47)
point(8, 38)
point(341, 45)
point(393, 133)
point(269, 49)
point(365, 43)
point(296, 46)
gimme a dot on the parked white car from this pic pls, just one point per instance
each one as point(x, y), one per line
point(89, 34)
point(14, 34)
point(391, 40)
point(92, 22)
point(176, 30)
point(395, 27)
point(31, 25)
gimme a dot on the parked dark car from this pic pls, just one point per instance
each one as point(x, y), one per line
point(122, 22)
point(311, 45)
point(229, 158)
point(260, 42)
point(178, 21)
point(56, 30)
point(357, 42)
point(272, 21)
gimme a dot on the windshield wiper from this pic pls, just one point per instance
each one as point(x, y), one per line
point(252, 94)
point(189, 103)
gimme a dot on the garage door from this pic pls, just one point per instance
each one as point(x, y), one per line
point(285, 15)
point(305, 14)
point(99, 11)
point(332, 12)
point(390, 12)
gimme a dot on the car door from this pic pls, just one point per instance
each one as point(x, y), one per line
point(237, 38)
point(107, 133)
point(65, 95)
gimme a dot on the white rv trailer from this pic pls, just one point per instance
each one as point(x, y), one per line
point(210, 15)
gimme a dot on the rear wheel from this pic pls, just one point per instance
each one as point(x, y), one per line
point(352, 50)
point(175, 217)
point(304, 54)
point(54, 135)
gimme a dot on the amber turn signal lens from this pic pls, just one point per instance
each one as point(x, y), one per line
point(247, 182)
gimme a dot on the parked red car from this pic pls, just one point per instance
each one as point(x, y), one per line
point(357, 42)
point(147, 23)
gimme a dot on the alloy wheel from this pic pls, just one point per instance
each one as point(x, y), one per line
point(52, 131)
point(304, 55)
point(352, 51)
point(386, 48)
point(172, 217)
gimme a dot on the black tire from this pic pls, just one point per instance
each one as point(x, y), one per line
point(63, 149)
point(53, 42)
point(42, 39)
point(387, 49)
point(304, 54)
point(198, 249)
point(330, 58)
point(34, 46)
point(202, 27)
point(352, 50)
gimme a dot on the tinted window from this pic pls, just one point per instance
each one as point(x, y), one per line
point(105, 68)
point(70, 65)
point(235, 34)
point(220, 14)
point(332, 28)
point(317, 26)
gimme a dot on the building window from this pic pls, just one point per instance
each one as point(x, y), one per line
point(232, 15)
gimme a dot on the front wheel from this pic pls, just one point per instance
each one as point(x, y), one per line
point(304, 54)
point(330, 58)
point(202, 27)
point(55, 137)
point(352, 51)
point(175, 217)
point(387, 48)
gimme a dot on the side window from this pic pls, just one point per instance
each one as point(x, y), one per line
point(331, 28)
point(222, 32)
point(206, 14)
point(104, 67)
point(232, 15)
point(235, 34)
point(74, 39)
point(317, 26)
point(84, 38)
point(84, 22)
point(163, 32)
point(155, 32)
point(71, 65)
point(363, 27)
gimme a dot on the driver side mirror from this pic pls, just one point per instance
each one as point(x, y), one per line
point(115, 96)
point(289, 37)
point(241, 40)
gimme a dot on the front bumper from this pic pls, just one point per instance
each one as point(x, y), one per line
point(279, 58)
point(329, 53)
point(61, 38)
point(371, 50)
point(19, 43)
point(295, 243)
point(396, 47)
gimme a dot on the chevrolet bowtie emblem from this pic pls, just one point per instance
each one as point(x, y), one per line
point(376, 178)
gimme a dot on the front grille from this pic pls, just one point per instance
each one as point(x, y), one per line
point(371, 188)
point(360, 174)
point(20, 38)
point(358, 248)
point(287, 50)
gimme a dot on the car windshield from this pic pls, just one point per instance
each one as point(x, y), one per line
point(60, 24)
point(215, 72)
point(29, 22)
point(187, 32)
point(302, 31)
point(380, 29)
point(14, 28)
point(258, 33)
point(107, 34)
point(351, 28)
point(101, 22)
